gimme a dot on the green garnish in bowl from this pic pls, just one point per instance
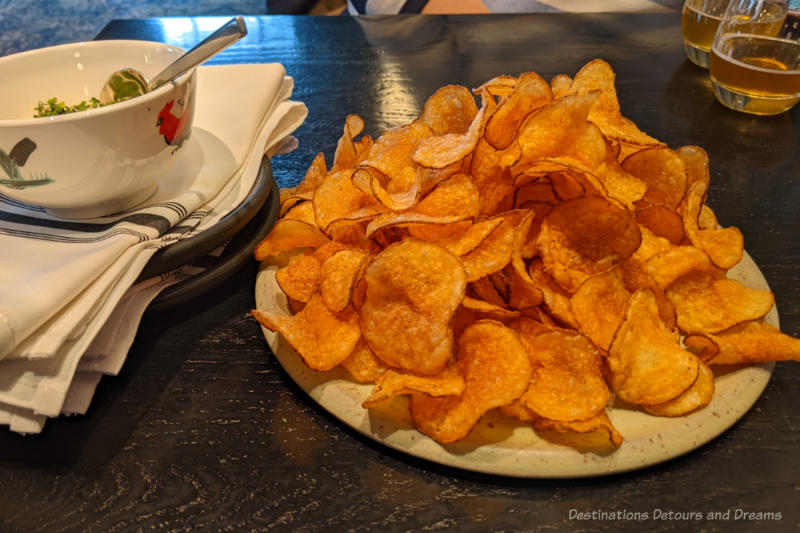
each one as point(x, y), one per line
point(54, 107)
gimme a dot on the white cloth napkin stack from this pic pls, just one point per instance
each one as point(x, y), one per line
point(69, 308)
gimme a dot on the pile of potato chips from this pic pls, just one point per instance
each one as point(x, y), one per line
point(538, 255)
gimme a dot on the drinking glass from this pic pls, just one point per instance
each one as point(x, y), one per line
point(755, 58)
point(699, 22)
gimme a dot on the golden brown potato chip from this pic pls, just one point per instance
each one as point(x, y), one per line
point(646, 362)
point(302, 211)
point(451, 109)
point(484, 309)
point(750, 342)
point(706, 302)
point(441, 151)
point(692, 399)
point(451, 201)
point(695, 160)
point(664, 173)
point(459, 238)
point(599, 423)
point(724, 246)
point(300, 278)
point(305, 189)
point(337, 199)
point(346, 155)
point(501, 85)
point(560, 84)
point(413, 288)
point(391, 383)
point(287, 235)
point(664, 268)
point(597, 75)
point(559, 129)
point(496, 369)
point(556, 299)
point(662, 221)
point(584, 237)
point(337, 277)
point(495, 251)
point(530, 93)
point(322, 338)
point(362, 364)
point(599, 306)
point(493, 179)
point(567, 381)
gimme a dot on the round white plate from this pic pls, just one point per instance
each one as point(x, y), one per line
point(504, 446)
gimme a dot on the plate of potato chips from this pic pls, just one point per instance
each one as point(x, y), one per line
point(525, 285)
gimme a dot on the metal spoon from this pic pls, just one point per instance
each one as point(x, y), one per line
point(128, 82)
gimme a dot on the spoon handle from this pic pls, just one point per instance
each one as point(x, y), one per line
point(226, 35)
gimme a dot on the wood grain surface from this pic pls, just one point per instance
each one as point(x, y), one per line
point(204, 431)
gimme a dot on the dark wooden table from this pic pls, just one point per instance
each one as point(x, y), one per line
point(203, 429)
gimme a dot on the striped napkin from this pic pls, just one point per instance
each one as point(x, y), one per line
point(69, 307)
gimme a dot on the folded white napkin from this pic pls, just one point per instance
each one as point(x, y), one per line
point(66, 281)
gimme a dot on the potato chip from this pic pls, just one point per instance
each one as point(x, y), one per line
point(346, 155)
point(695, 160)
point(664, 173)
point(664, 268)
point(583, 237)
point(530, 93)
point(362, 364)
point(322, 338)
point(560, 84)
point(492, 178)
point(441, 151)
point(556, 299)
point(305, 189)
point(598, 424)
point(567, 381)
point(451, 109)
point(706, 302)
point(484, 309)
point(337, 278)
point(287, 235)
point(662, 221)
point(495, 251)
point(338, 200)
point(459, 238)
point(750, 342)
point(723, 245)
point(496, 369)
point(559, 129)
point(392, 383)
point(303, 211)
point(498, 86)
point(597, 75)
point(412, 290)
point(451, 201)
point(646, 362)
point(692, 399)
point(300, 278)
point(599, 306)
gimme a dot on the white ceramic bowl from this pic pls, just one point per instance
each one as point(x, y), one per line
point(99, 161)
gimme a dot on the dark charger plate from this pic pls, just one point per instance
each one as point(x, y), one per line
point(242, 229)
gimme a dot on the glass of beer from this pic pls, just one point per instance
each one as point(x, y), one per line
point(699, 22)
point(755, 58)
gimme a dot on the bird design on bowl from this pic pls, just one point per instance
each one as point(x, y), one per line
point(11, 163)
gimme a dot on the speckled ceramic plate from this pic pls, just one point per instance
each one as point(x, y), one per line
point(500, 445)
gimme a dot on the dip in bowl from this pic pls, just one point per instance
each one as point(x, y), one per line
point(98, 161)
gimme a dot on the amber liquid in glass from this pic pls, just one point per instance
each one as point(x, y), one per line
point(754, 70)
point(699, 22)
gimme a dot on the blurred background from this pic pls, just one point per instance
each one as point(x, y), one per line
point(28, 24)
